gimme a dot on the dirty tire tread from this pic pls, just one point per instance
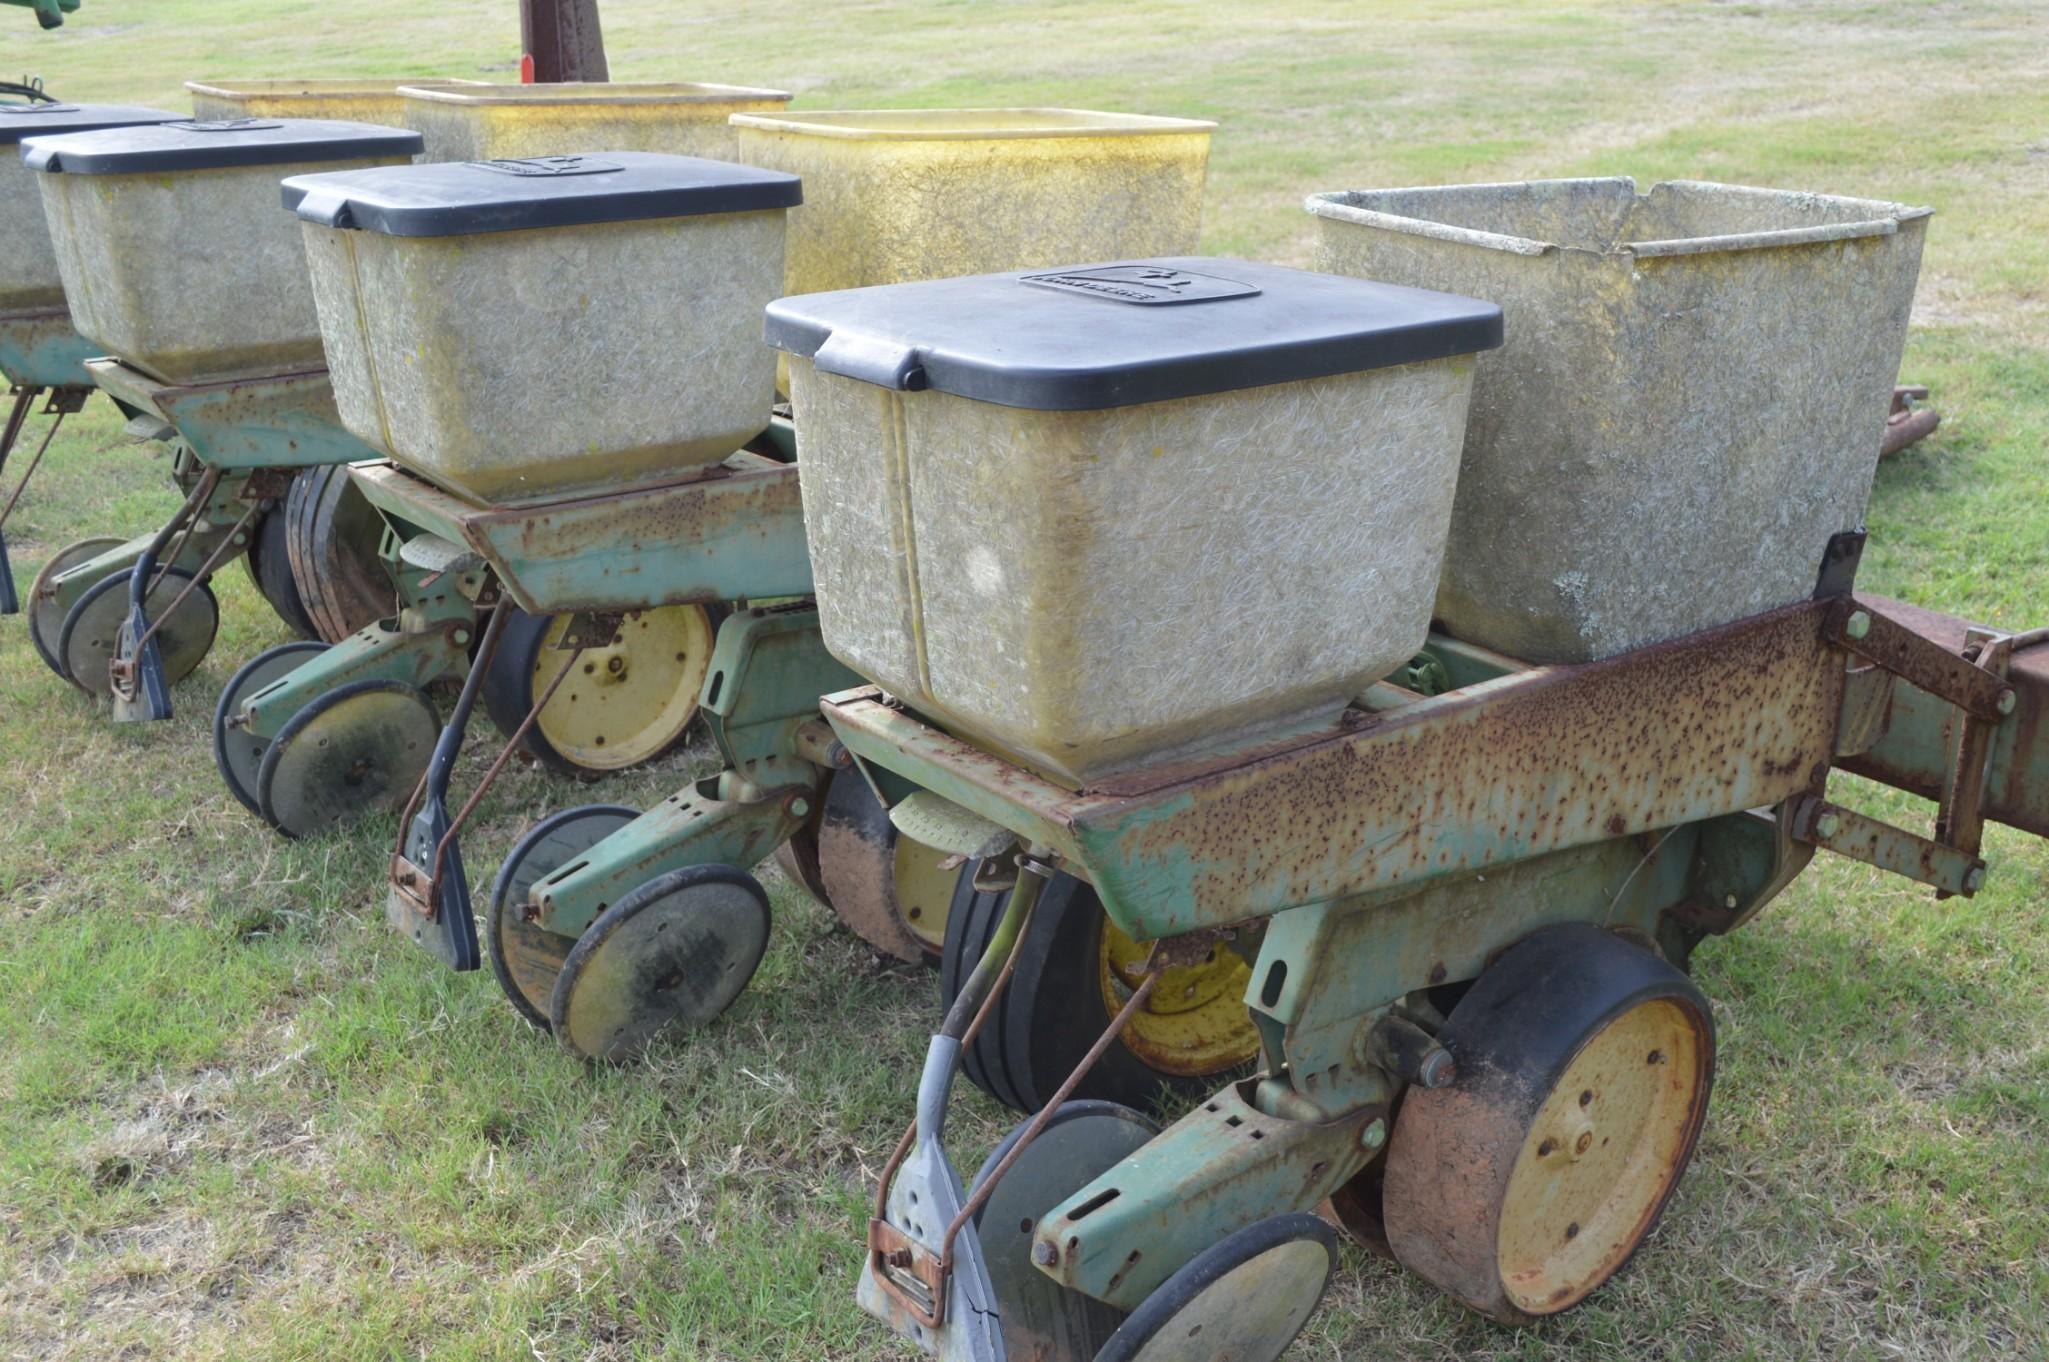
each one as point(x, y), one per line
point(270, 564)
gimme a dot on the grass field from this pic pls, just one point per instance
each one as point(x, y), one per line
point(239, 1119)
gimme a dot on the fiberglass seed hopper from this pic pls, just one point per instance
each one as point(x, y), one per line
point(40, 351)
point(175, 268)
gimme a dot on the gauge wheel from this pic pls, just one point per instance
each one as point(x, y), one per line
point(92, 629)
point(526, 957)
point(358, 748)
point(270, 567)
point(1246, 1297)
point(237, 752)
point(45, 615)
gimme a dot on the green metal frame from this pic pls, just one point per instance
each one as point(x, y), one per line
point(1669, 793)
point(280, 421)
point(40, 349)
point(215, 521)
point(760, 700)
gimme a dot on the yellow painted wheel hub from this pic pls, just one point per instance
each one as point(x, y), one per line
point(1195, 1022)
point(623, 704)
point(1605, 1149)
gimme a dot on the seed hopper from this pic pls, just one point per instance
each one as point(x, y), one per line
point(42, 356)
point(675, 571)
point(1465, 893)
point(215, 351)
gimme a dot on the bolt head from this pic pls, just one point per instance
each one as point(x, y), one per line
point(1729, 901)
point(1858, 625)
point(462, 636)
point(1438, 1070)
point(2007, 700)
point(1044, 1254)
point(1375, 1134)
point(1828, 825)
point(800, 807)
point(1974, 879)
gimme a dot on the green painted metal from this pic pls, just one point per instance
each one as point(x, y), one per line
point(1501, 770)
point(768, 668)
point(734, 531)
point(284, 421)
point(415, 651)
point(1893, 850)
point(39, 349)
point(1223, 1166)
point(49, 13)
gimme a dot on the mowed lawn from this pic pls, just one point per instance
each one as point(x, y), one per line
point(240, 1119)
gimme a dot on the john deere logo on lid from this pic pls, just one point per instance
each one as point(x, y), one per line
point(1144, 285)
point(37, 108)
point(551, 165)
point(227, 125)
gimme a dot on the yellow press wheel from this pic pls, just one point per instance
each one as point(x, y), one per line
point(620, 705)
point(1194, 1034)
point(891, 891)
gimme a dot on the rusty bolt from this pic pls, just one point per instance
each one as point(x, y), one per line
point(1044, 1254)
point(1828, 825)
point(1438, 1069)
point(1374, 1135)
point(1974, 879)
point(1858, 625)
point(2007, 700)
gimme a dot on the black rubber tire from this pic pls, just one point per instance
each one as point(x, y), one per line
point(270, 567)
point(71, 555)
point(1158, 1312)
point(167, 588)
point(231, 699)
point(516, 869)
point(1514, 1035)
point(1051, 1012)
point(313, 710)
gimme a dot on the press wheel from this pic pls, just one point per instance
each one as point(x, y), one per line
point(1081, 1141)
point(1194, 1032)
point(359, 747)
point(526, 957)
point(892, 892)
point(622, 704)
point(45, 615)
point(270, 567)
point(1243, 1299)
point(676, 950)
point(1585, 1065)
point(237, 752)
point(93, 627)
point(333, 537)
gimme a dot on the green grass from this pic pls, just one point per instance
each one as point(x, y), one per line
point(239, 1119)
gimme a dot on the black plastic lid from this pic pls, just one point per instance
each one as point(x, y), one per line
point(459, 198)
point(36, 120)
point(1116, 335)
point(189, 145)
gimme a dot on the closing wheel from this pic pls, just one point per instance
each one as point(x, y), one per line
point(1081, 1141)
point(270, 567)
point(359, 747)
point(526, 957)
point(237, 752)
point(93, 627)
point(1197, 1032)
point(622, 705)
point(45, 616)
point(676, 950)
point(892, 892)
point(1242, 1299)
point(1584, 1069)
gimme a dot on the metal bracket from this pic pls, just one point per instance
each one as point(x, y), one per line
point(1950, 869)
point(1879, 638)
point(412, 887)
